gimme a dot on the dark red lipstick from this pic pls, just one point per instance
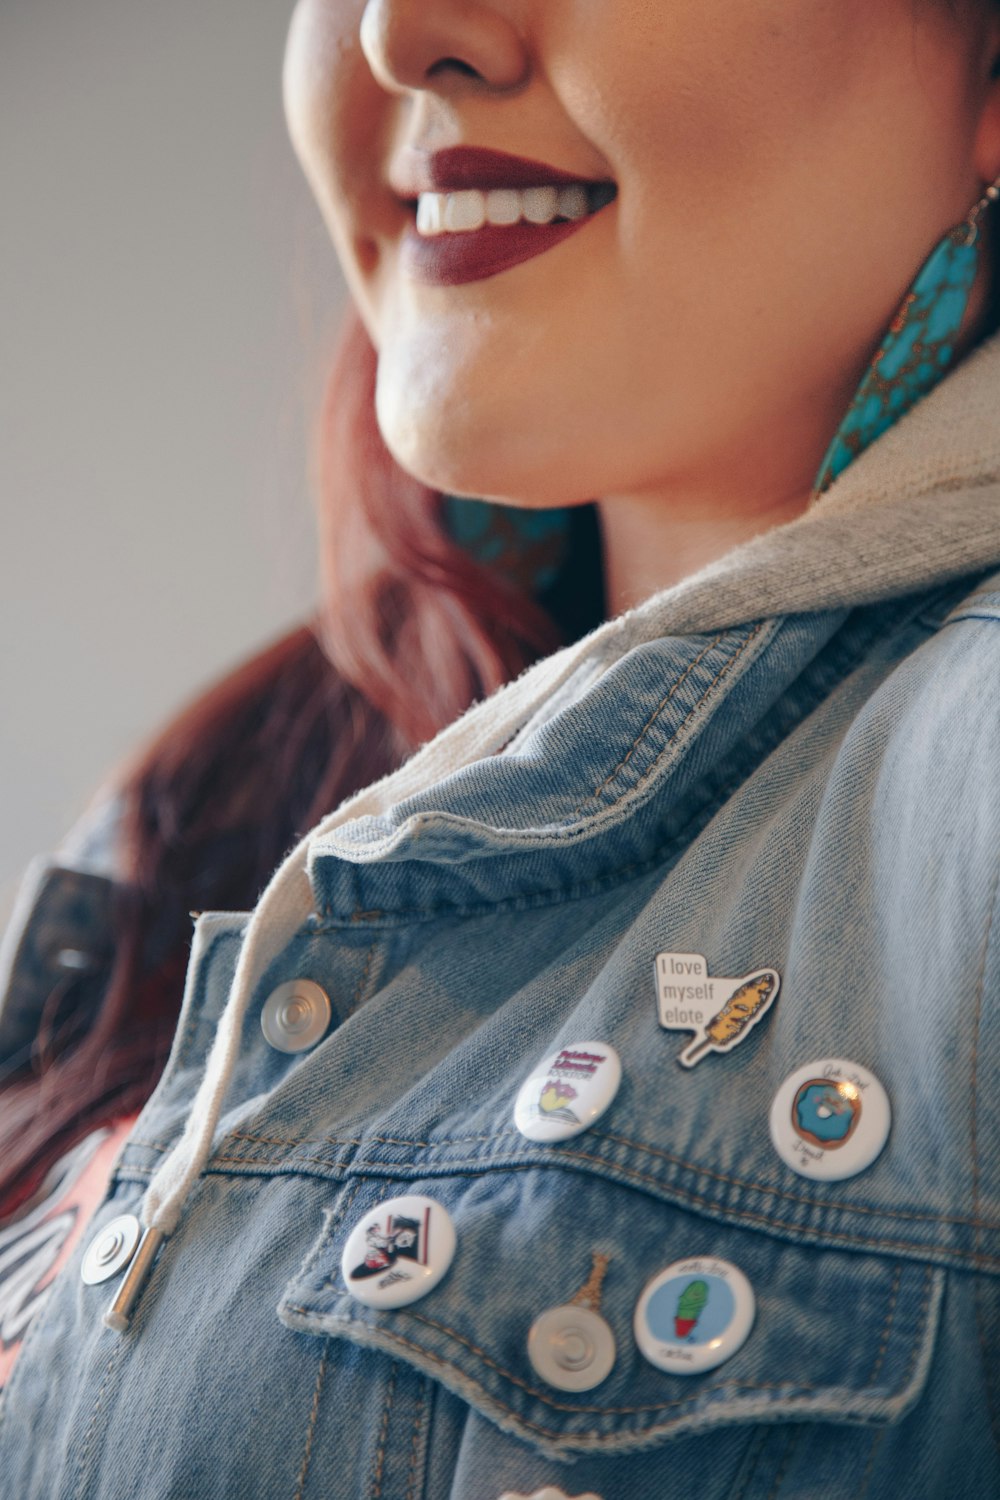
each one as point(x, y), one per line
point(451, 258)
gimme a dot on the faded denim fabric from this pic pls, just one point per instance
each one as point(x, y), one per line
point(817, 793)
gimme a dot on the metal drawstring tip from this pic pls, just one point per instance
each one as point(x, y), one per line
point(118, 1314)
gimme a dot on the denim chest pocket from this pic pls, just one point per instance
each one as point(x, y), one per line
point(840, 1339)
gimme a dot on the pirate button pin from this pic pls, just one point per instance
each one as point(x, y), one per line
point(830, 1119)
point(568, 1091)
point(398, 1252)
point(693, 1315)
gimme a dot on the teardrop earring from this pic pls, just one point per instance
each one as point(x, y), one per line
point(918, 347)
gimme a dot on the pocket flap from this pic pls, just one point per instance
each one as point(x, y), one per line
point(838, 1336)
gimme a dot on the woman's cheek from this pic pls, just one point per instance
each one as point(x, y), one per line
point(337, 116)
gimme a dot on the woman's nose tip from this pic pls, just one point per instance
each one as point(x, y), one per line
point(418, 44)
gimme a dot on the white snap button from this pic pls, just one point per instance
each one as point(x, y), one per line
point(296, 1016)
point(693, 1315)
point(398, 1252)
point(571, 1348)
point(568, 1091)
point(111, 1249)
point(830, 1119)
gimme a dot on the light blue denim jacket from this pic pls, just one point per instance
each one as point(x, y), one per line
point(814, 790)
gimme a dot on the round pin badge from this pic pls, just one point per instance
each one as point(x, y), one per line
point(568, 1091)
point(830, 1119)
point(694, 1315)
point(398, 1252)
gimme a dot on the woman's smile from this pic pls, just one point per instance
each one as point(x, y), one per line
point(479, 212)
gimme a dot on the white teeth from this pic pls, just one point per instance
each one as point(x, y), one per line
point(430, 213)
point(459, 212)
point(541, 204)
point(464, 211)
point(573, 202)
point(503, 206)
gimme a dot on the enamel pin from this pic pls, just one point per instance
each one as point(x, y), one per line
point(720, 1012)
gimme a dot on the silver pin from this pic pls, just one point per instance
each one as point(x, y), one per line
point(118, 1314)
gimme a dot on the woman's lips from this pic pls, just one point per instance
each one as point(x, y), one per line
point(456, 256)
point(449, 259)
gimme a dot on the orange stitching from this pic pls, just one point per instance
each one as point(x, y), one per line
point(786, 1387)
point(418, 1422)
point(772, 1192)
point(383, 1434)
point(655, 715)
point(336, 1216)
point(332, 1140)
point(794, 1439)
point(798, 1385)
point(311, 1430)
point(613, 1411)
point(751, 1462)
point(925, 1299)
point(817, 1235)
point(866, 1477)
point(883, 1346)
point(745, 1213)
point(644, 1148)
point(80, 1472)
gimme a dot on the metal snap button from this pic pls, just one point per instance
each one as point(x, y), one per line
point(830, 1119)
point(571, 1348)
point(296, 1016)
point(398, 1252)
point(568, 1091)
point(693, 1315)
point(111, 1249)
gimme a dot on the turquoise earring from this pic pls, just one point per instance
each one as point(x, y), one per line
point(526, 547)
point(918, 348)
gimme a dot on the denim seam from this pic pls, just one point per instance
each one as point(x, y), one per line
point(866, 1477)
point(989, 1383)
point(784, 1391)
point(363, 981)
point(640, 1147)
point(794, 1438)
point(922, 1318)
point(418, 1424)
point(332, 1217)
point(534, 1391)
point(651, 768)
point(376, 1490)
point(669, 1192)
point(311, 1429)
point(81, 1463)
point(884, 1345)
point(752, 1458)
point(828, 676)
point(667, 698)
point(197, 1014)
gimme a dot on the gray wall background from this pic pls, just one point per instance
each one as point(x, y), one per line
point(168, 301)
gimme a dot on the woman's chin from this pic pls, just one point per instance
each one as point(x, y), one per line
point(468, 469)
